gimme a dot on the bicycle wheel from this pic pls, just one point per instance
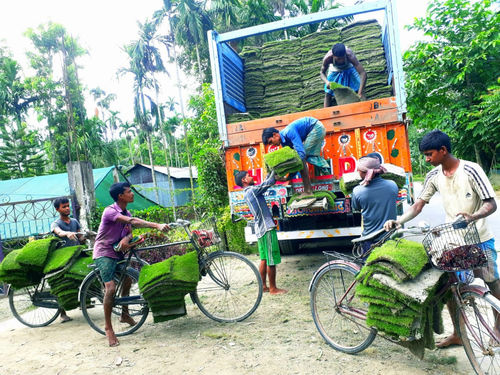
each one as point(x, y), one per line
point(476, 319)
point(336, 321)
point(91, 303)
point(230, 289)
point(34, 306)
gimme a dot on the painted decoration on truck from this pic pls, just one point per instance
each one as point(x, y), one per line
point(275, 197)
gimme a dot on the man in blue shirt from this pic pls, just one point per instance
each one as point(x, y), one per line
point(306, 136)
point(374, 197)
point(265, 229)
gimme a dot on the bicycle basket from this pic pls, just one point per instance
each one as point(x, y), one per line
point(206, 238)
point(453, 247)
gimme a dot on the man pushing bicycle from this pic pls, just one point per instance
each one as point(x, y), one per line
point(465, 190)
point(112, 241)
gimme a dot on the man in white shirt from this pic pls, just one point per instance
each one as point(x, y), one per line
point(465, 190)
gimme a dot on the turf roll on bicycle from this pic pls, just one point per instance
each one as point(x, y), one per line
point(227, 288)
point(398, 288)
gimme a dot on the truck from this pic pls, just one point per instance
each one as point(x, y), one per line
point(352, 130)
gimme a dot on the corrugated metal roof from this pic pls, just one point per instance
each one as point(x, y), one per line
point(38, 187)
point(174, 172)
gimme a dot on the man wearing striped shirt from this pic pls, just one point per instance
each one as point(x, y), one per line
point(265, 229)
point(465, 190)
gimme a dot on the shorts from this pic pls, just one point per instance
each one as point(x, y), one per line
point(313, 145)
point(349, 78)
point(107, 267)
point(488, 273)
point(269, 248)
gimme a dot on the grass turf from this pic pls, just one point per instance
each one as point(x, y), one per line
point(410, 256)
point(61, 258)
point(283, 161)
point(35, 253)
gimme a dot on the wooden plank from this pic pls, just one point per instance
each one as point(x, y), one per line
point(321, 114)
point(368, 119)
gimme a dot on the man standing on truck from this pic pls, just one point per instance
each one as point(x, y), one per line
point(347, 71)
point(265, 229)
point(306, 136)
point(374, 197)
point(465, 190)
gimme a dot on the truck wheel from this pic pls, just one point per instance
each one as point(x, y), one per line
point(289, 247)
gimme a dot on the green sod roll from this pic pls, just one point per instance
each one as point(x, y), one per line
point(61, 258)
point(10, 263)
point(283, 161)
point(349, 181)
point(329, 195)
point(35, 253)
point(178, 267)
point(409, 255)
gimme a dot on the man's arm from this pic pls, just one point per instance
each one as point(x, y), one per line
point(489, 206)
point(268, 182)
point(359, 68)
point(412, 212)
point(298, 146)
point(327, 60)
point(56, 229)
point(139, 223)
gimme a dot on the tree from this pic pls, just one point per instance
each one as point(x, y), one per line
point(191, 28)
point(20, 149)
point(448, 75)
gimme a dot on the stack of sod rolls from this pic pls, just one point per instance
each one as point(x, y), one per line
point(349, 181)
point(329, 195)
point(388, 281)
point(165, 284)
point(283, 161)
point(66, 270)
point(284, 76)
point(24, 267)
point(394, 173)
point(11, 272)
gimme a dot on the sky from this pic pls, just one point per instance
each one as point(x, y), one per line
point(103, 27)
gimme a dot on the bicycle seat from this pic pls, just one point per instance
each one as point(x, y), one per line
point(370, 236)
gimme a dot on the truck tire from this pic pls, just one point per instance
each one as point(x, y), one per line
point(289, 247)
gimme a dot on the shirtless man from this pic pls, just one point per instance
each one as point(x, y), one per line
point(347, 71)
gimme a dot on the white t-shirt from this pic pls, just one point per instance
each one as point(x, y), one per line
point(464, 191)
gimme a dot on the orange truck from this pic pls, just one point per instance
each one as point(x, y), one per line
point(352, 130)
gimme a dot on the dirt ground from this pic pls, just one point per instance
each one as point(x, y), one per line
point(280, 338)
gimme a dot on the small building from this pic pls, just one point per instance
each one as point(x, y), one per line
point(140, 176)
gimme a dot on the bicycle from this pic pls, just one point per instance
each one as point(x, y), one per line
point(340, 316)
point(34, 305)
point(229, 290)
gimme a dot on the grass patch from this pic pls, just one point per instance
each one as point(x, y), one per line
point(439, 360)
point(215, 335)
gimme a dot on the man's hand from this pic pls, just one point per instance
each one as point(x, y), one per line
point(162, 227)
point(71, 235)
point(467, 217)
point(391, 224)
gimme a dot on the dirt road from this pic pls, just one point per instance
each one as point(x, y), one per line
point(280, 338)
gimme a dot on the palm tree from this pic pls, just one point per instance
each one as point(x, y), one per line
point(169, 42)
point(192, 26)
point(143, 59)
point(130, 131)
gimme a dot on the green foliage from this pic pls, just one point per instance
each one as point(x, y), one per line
point(233, 233)
point(155, 214)
point(212, 183)
point(449, 75)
